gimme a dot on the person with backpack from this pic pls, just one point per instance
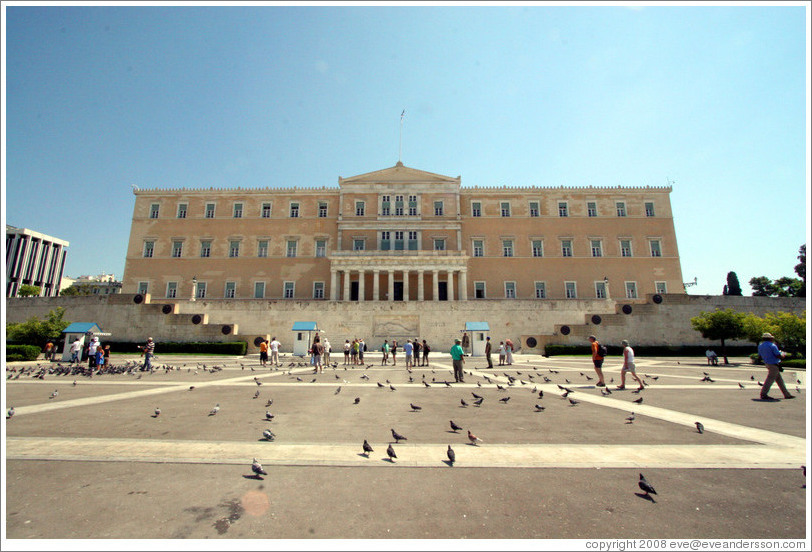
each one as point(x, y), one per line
point(598, 354)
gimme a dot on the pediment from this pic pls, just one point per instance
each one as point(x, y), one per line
point(400, 173)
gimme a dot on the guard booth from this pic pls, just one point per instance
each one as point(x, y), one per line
point(303, 336)
point(84, 331)
point(477, 332)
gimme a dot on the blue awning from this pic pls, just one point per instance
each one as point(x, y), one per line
point(305, 327)
point(82, 327)
point(477, 327)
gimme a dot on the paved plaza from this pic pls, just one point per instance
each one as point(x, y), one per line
point(95, 462)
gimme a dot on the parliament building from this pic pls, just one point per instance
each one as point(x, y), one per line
point(402, 234)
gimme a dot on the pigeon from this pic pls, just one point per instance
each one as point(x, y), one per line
point(454, 426)
point(638, 401)
point(268, 435)
point(699, 427)
point(367, 448)
point(630, 419)
point(646, 486)
point(215, 410)
point(55, 393)
point(452, 457)
point(392, 387)
point(753, 378)
point(256, 467)
point(504, 400)
point(380, 384)
point(191, 387)
point(398, 437)
point(390, 452)
point(269, 403)
point(426, 384)
point(499, 387)
point(473, 438)
point(463, 403)
point(478, 402)
point(338, 390)
point(573, 402)
point(357, 400)
point(539, 408)
point(74, 383)
point(256, 395)
point(741, 386)
point(541, 394)
point(269, 416)
point(10, 413)
point(415, 407)
point(157, 412)
point(475, 395)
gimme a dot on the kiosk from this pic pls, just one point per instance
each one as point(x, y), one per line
point(477, 332)
point(82, 330)
point(303, 337)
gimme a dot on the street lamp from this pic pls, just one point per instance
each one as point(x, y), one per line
point(194, 287)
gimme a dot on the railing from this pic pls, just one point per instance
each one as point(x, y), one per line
point(397, 253)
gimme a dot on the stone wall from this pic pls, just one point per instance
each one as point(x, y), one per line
point(648, 323)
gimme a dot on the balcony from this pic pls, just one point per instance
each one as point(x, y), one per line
point(397, 253)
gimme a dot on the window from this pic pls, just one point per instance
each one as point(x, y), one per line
point(649, 209)
point(631, 290)
point(541, 290)
point(625, 248)
point(266, 210)
point(205, 248)
point(210, 210)
point(507, 248)
point(479, 248)
point(262, 248)
point(597, 250)
point(412, 240)
point(318, 290)
point(660, 287)
point(153, 210)
point(510, 290)
point(439, 244)
point(259, 290)
point(412, 205)
point(321, 248)
point(479, 290)
point(399, 206)
point(438, 208)
point(386, 245)
point(201, 290)
point(177, 249)
point(182, 208)
point(621, 208)
point(291, 249)
point(231, 290)
point(322, 209)
point(290, 289)
point(399, 240)
point(505, 209)
point(149, 248)
point(534, 208)
point(385, 206)
point(562, 209)
point(294, 210)
point(476, 209)
point(538, 250)
point(592, 209)
point(234, 248)
point(566, 248)
point(570, 290)
point(171, 290)
point(655, 248)
point(359, 209)
point(385, 211)
point(600, 290)
point(359, 244)
point(143, 287)
point(238, 210)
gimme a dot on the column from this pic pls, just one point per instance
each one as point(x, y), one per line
point(450, 284)
point(376, 288)
point(420, 295)
point(463, 285)
point(347, 274)
point(435, 287)
point(391, 285)
point(406, 285)
point(361, 285)
point(333, 284)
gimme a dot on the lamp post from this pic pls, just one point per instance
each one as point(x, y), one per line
point(194, 287)
point(606, 286)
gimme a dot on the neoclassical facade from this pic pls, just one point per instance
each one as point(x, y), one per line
point(402, 234)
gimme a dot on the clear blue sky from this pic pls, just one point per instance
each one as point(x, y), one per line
point(711, 98)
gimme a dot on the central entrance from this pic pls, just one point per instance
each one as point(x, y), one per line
point(398, 289)
point(442, 291)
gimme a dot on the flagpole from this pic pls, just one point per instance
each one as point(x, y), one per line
point(400, 144)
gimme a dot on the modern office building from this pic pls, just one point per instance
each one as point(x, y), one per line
point(402, 234)
point(35, 259)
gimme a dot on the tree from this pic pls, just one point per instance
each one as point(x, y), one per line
point(785, 286)
point(720, 324)
point(762, 286)
point(75, 290)
point(732, 287)
point(27, 290)
point(788, 329)
point(789, 287)
point(37, 332)
point(800, 268)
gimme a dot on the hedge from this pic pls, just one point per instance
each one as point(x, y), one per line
point(193, 347)
point(651, 350)
point(789, 362)
point(21, 352)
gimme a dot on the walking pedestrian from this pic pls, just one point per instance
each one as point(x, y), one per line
point(508, 352)
point(628, 366)
point(408, 350)
point(597, 360)
point(325, 359)
point(385, 352)
point(426, 351)
point(263, 352)
point(394, 351)
point(275, 350)
point(347, 347)
point(501, 353)
point(488, 351)
point(458, 360)
point(148, 351)
point(75, 351)
point(772, 355)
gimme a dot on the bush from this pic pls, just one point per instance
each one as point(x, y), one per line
point(21, 352)
point(237, 348)
point(648, 350)
point(792, 361)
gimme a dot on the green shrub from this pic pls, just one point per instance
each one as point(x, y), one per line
point(794, 363)
point(650, 350)
point(24, 352)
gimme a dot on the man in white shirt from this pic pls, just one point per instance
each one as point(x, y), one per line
point(326, 354)
point(275, 351)
point(75, 350)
